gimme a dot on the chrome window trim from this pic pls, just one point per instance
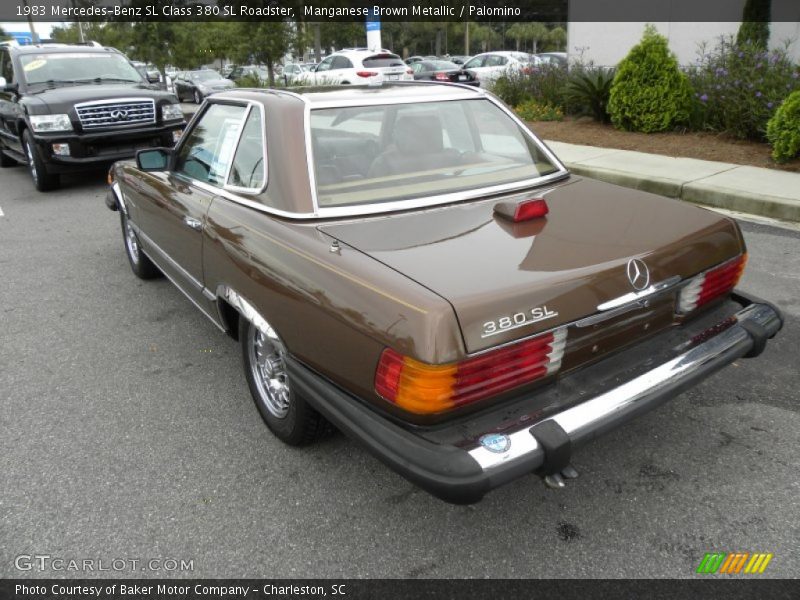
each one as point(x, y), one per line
point(264, 167)
point(465, 93)
point(232, 190)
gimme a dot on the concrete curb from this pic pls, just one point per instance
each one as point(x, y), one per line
point(766, 192)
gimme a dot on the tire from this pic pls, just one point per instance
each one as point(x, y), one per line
point(285, 412)
point(141, 265)
point(43, 180)
point(198, 97)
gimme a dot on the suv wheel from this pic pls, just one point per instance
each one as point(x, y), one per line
point(43, 180)
point(198, 97)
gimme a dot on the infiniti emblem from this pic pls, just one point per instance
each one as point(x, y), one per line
point(119, 115)
point(638, 274)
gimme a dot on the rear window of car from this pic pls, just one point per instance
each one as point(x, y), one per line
point(375, 154)
point(442, 65)
point(377, 61)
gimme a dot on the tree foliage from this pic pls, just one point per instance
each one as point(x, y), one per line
point(755, 24)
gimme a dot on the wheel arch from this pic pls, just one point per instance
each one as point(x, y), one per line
point(232, 307)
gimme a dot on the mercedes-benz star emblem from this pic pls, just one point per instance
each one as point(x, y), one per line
point(638, 274)
point(119, 115)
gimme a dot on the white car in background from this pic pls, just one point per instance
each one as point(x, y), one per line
point(357, 67)
point(490, 66)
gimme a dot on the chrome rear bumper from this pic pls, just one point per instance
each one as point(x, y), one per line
point(597, 416)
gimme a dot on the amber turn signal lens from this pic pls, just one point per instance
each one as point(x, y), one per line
point(427, 389)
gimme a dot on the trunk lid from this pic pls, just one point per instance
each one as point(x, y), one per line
point(552, 270)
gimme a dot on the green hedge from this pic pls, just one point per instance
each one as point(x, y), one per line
point(650, 93)
point(783, 129)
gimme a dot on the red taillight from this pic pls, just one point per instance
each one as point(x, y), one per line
point(441, 77)
point(422, 388)
point(366, 73)
point(409, 72)
point(711, 285)
point(526, 210)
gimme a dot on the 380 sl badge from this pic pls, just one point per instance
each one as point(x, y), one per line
point(520, 319)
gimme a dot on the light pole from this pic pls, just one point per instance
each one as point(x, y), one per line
point(34, 35)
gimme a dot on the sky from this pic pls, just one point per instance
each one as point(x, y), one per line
point(43, 29)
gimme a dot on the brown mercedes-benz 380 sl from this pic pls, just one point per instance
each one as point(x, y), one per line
point(411, 264)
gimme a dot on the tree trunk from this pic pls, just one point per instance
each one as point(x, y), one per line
point(438, 42)
point(271, 71)
point(317, 43)
point(466, 38)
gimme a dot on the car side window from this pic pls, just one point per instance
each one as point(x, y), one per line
point(475, 63)
point(416, 67)
point(247, 170)
point(341, 62)
point(496, 61)
point(325, 65)
point(206, 154)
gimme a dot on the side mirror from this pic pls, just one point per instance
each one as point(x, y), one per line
point(153, 159)
point(8, 87)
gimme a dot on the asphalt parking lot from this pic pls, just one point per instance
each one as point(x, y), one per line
point(127, 431)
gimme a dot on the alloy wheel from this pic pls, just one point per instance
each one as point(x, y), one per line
point(31, 163)
point(268, 368)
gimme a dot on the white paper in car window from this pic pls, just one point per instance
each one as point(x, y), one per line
point(223, 153)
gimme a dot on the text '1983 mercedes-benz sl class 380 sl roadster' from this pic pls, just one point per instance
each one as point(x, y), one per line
point(410, 263)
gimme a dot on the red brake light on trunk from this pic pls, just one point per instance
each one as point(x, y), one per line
point(712, 284)
point(366, 73)
point(425, 389)
point(526, 210)
point(409, 72)
point(442, 77)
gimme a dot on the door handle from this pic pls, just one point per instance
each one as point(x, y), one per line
point(195, 224)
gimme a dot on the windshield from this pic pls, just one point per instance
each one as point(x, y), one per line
point(78, 67)
point(373, 154)
point(203, 75)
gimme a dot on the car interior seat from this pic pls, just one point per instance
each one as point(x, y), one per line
point(418, 146)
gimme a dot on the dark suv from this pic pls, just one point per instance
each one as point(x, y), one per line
point(71, 107)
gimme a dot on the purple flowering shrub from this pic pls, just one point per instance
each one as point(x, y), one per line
point(737, 88)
